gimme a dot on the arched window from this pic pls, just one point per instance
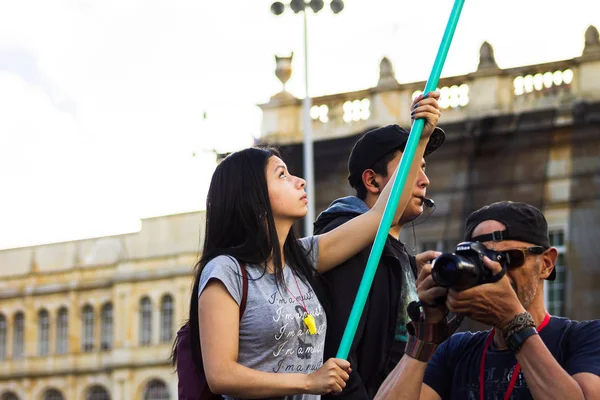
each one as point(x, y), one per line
point(62, 331)
point(9, 396)
point(157, 390)
point(87, 322)
point(97, 393)
point(2, 337)
point(19, 336)
point(106, 327)
point(166, 319)
point(145, 321)
point(53, 394)
point(43, 333)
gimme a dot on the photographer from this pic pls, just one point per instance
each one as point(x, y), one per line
point(528, 354)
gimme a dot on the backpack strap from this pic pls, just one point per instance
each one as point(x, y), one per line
point(244, 289)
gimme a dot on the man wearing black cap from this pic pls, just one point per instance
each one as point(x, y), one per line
point(528, 354)
point(381, 335)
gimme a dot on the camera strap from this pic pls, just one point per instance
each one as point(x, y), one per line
point(414, 312)
point(516, 370)
point(414, 308)
point(498, 276)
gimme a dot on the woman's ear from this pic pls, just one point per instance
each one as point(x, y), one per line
point(370, 181)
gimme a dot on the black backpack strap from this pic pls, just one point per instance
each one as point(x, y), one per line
point(244, 289)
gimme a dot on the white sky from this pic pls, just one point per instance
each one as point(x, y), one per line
point(101, 102)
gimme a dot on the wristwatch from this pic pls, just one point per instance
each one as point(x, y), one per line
point(515, 339)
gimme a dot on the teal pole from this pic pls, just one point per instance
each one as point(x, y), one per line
point(398, 185)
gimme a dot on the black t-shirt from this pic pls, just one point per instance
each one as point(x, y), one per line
point(406, 274)
point(454, 370)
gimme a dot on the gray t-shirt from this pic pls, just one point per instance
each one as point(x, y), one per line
point(273, 337)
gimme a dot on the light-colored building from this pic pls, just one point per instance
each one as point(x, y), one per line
point(95, 319)
point(530, 133)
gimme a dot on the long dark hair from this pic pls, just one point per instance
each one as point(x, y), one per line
point(240, 224)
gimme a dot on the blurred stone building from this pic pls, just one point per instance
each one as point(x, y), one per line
point(530, 133)
point(95, 319)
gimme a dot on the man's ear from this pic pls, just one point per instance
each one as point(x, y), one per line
point(548, 262)
point(370, 181)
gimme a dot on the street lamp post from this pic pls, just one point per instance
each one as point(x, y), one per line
point(297, 6)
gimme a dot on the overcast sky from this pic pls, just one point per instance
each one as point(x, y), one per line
point(102, 102)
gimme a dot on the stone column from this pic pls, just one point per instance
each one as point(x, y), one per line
point(53, 324)
point(155, 320)
point(489, 92)
point(10, 326)
point(587, 82)
point(30, 339)
point(123, 336)
point(74, 327)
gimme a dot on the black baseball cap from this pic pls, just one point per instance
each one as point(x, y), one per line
point(376, 143)
point(523, 222)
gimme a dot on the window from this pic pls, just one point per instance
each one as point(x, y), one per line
point(19, 336)
point(156, 390)
point(555, 290)
point(145, 321)
point(53, 394)
point(87, 321)
point(43, 333)
point(2, 337)
point(445, 246)
point(166, 319)
point(9, 396)
point(62, 331)
point(106, 330)
point(97, 393)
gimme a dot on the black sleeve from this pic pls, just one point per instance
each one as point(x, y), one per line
point(584, 349)
point(342, 284)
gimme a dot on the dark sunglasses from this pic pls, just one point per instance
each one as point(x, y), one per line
point(515, 258)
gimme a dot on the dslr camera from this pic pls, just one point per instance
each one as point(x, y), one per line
point(464, 268)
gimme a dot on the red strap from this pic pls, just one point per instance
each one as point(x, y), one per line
point(244, 289)
point(482, 365)
point(516, 371)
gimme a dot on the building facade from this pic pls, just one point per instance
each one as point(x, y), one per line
point(530, 134)
point(95, 319)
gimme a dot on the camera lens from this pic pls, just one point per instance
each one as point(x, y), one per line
point(445, 270)
point(451, 270)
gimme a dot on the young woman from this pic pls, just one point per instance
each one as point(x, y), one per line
point(275, 348)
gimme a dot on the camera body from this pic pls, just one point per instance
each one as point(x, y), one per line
point(464, 268)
